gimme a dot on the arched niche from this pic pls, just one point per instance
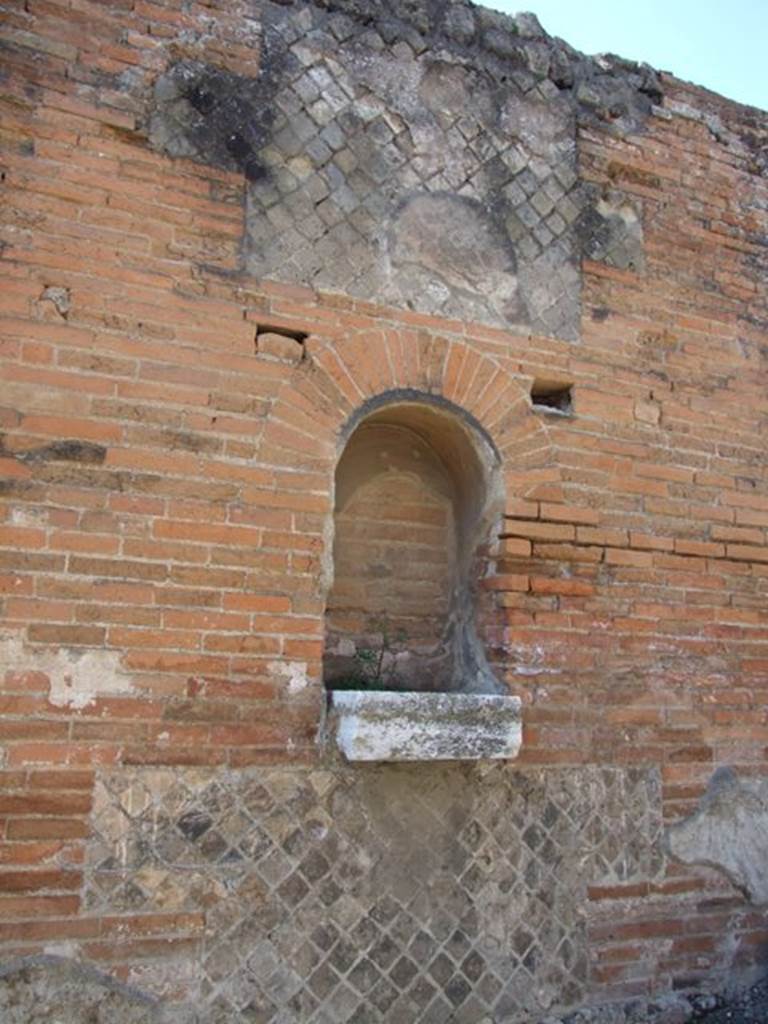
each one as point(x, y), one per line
point(417, 494)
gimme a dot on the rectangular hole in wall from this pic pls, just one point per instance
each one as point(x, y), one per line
point(281, 343)
point(284, 332)
point(552, 396)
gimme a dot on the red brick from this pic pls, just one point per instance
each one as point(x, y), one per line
point(617, 892)
point(569, 514)
point(91, 636)
point(700, 548)
point(60, 804)
point(514, 547)
point(29, 852)
point(29, 907)
point(649, 543)
point(256, 602)
point(144, 949)
point(22, 537)
point(38, 881)
point(46, 828)
point(612, 538)
point(566, 587)
point(49, 930)
point(540, 531)
point(517, 508)
point(67, 779)
point(638, 559)
point(747, 552)
point(507, 582)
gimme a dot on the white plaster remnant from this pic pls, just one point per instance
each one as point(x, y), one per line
point(293, 672)
point(729, 832)
point(712, 121)
point(616, 206)
point(77, 678)
point(27, 517)
point(67, 948)
point(346, 647)
point(413, 726)
point(529, 661)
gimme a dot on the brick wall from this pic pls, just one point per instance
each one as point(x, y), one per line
point(167, 482)
point(394, 552)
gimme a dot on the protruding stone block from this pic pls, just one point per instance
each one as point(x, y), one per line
point(279, 346)
point(392, 726)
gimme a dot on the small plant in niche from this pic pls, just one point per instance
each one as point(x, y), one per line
point(375, 667)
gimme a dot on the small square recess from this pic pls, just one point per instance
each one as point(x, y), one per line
point(551, 396)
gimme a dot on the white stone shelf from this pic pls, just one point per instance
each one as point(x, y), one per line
point(417, 726)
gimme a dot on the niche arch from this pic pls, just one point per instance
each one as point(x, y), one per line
point(324, 396)
point(418, 495)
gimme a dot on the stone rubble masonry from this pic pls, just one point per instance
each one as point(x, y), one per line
point(226, 227)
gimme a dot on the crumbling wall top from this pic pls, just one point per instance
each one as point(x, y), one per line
point(606, 88)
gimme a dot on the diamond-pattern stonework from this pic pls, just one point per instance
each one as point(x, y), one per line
point(416, 154)
point(410, 177)
point(379, 894)
point(424, 177)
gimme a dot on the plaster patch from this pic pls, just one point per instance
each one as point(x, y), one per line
point(529, 661)
point(293, 672)
point(66, 949)
point(27, 516)
point(612, 232)
point(617, 208)
point(729, 832)
point(77, 678)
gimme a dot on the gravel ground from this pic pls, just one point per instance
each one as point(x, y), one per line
point(747, 1007)
point(750, 1007)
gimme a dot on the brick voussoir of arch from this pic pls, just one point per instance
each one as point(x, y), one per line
point(340, 375)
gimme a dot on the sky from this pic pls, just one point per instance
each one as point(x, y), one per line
point(720, 44)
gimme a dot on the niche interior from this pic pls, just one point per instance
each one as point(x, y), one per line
point(417, 496)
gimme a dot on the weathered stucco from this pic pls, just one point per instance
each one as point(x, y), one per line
point(729, 832)
point(76, 678)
